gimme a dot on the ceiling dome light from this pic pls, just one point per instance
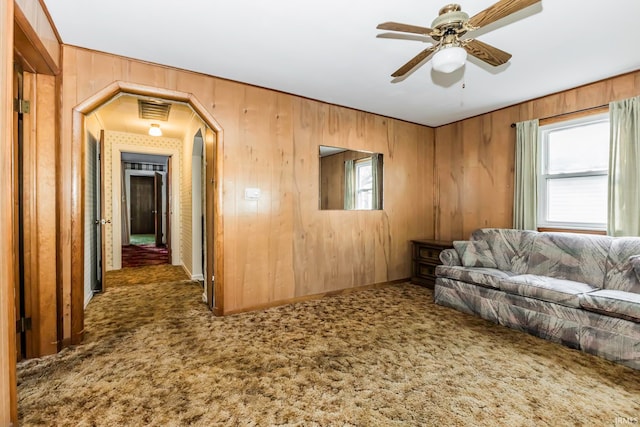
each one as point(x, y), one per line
point(155, 130)
point(449, 58)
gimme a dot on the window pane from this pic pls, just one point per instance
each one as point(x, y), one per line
point(364, 200)
point(579, 148)
point(364, 184)
point(577, 200)
point(365, 180)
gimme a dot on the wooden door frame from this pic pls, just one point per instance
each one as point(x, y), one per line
point(157, 206)
point(18, 39)
point(117, 151)
point(77, 191)
point(167, 220)
point(213, 245)
point(8, 391)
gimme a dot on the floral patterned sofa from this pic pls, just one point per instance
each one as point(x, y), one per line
point(579, 290)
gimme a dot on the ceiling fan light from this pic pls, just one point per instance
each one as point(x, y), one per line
point(154, 130)
point(449, 58)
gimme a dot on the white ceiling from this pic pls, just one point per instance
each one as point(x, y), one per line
point(121, 114)
point(329, 50)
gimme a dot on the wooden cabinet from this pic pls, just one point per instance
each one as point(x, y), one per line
point(426, 256)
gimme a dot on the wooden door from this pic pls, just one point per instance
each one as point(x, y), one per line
point(157, 206)
point(142, 205)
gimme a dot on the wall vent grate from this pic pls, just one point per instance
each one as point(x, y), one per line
point(153, 110)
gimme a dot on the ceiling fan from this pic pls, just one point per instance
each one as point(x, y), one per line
point(450, 49)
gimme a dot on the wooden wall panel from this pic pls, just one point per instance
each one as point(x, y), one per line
point(43, 184)
point(282, 246)
point(64, 192)
point(475, 157)
point(8, 401)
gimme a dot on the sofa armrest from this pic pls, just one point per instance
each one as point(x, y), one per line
point(450, 257)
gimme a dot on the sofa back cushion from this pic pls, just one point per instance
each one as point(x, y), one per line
point(474, 253)
point(577, 257)
point(623, 265)
point(510, 248)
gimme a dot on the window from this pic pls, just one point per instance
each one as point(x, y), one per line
point(572, 186)
point(364, 184)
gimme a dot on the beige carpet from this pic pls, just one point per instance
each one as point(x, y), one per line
point(154, 355)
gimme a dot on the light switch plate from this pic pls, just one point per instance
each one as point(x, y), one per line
point(251, 193)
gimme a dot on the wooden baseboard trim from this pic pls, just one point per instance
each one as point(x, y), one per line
point(315, 296)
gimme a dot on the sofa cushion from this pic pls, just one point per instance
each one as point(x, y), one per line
point(510, 248)
point(623, 265)
point(625, 305)
point(474, 253)
point(569, 256)
point(560, 291)
point(487, 277)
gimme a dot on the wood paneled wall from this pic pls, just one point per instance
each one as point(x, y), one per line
point(475, 157)
point(280, 246)
point(8, 402)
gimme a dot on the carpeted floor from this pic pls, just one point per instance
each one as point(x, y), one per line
point(143, 255)
point(154, 355)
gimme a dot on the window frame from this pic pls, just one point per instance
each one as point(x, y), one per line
point(358, 164)
point(544, 175)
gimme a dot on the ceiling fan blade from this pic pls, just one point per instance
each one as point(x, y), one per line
point(487, 53)
point(403, 36)
point(413, 62)
point(498, 11)
point(396, 26)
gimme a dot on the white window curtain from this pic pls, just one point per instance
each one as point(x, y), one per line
point(349, 185)
point(376, 172)
point(525, 200)
point(624, 176)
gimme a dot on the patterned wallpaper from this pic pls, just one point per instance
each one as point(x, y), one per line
point(186, 199)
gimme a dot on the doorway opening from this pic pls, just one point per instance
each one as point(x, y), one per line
point(145, 210)
point(84, 123)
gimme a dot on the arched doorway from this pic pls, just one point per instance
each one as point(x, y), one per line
point(212, 149)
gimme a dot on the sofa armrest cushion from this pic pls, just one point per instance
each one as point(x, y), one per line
point(635, 264)
point(450, 257)
point(474, 253)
